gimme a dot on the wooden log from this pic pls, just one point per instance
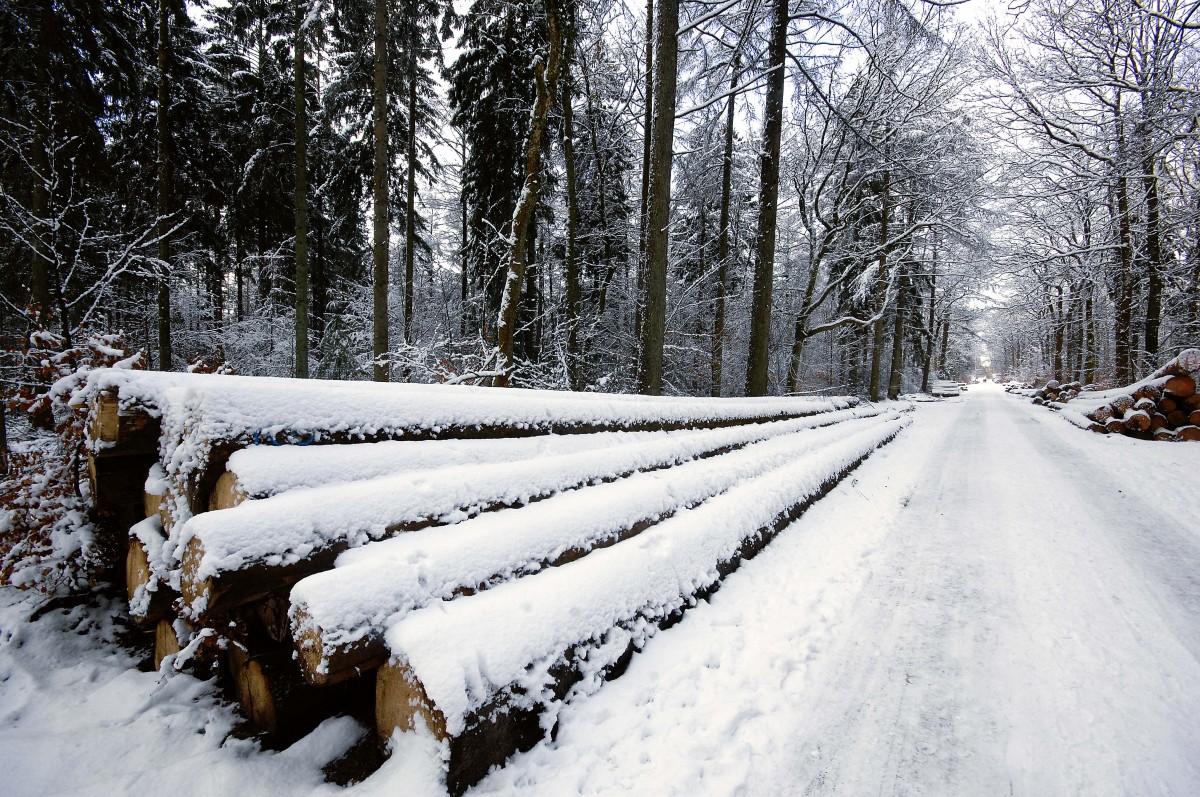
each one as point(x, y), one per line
point(115, 431)
point(1150, 390)
point(227, 493)
point(1121, 405)
point(1101, 414)
point(1189, 433)
point(1165, 435)
point(1158, 421)
point(209, 591)
point(1180, 387)
point(166, 641)
point(1186, 363)
point(1115, 426)
point(498, 719)
point(1167, 405)
point(1137, 421)
point(144, 611)
point(275, 697)
point(1177, 418)
point(1146, 405)
point(1194, 418)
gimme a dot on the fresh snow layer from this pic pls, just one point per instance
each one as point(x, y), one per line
point(266, 470)
point(378, 581)
point(465, 650)
point(287, 528)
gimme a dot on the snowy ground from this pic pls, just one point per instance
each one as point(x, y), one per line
point(995, 603)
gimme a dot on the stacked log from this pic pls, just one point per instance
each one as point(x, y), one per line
point(163, 456)
point(1057, 392)
point(1164, 407)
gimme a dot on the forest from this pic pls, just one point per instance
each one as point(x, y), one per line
point(713, 197)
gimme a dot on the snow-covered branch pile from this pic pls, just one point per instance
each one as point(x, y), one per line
point(1164, 406)
point(306, 530)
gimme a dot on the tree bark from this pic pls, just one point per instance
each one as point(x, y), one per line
point(654, 318)
point(896, 369)
point(410, 182)
point(379, 190)
point(1154, 260)
point(164, 190)
point(881, 285)
point(768, 195)
point(546, 76)
point(718, 334)
point(571, 305)
point(301, 198)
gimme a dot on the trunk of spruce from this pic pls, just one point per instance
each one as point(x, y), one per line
point(654, 295)
point(379, 192)
point(301, 247)
point(647, 156)
point(571, 308)
point(164, 191)
point(718, 333)
point(410, 183)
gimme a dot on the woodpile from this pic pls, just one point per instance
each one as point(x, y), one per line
point(1165, 406)
point(1057, 391)
point(239, 555)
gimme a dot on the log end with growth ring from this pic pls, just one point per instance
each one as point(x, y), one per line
point(401, 703)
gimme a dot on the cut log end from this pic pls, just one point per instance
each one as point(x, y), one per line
point(227, 493)
point(196, 591)
point(401, 703)
point(1181, 387)
point(166, 641)
point(1189, 433)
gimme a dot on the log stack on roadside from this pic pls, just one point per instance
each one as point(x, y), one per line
point(1054, 390)
point(285, 528)
point(1165, 406)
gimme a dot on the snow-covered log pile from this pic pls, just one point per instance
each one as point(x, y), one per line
point(1055, 391)
point(1164, 406)
point(286, 530)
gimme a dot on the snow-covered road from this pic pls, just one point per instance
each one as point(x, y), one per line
point(995, 603)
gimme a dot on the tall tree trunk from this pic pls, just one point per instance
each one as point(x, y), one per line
point(723, 248)
point(1154, 259)
point(571, 305)
point(165, 352)
point(410, 181)
point(768, 210)
point(39, 267)
point(931, 326)
point(647, 166)
point(379, 191)
point(654, 319)
point(942, 351)
point(881, 286)
point(546, 76)
point(465, 313)
point(301, 249)
point(1123, 312)
point(896, 368)
point(1058, 319)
